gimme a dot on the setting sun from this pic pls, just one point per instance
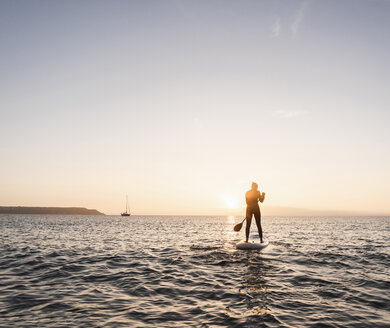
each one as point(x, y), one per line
point(230, 201)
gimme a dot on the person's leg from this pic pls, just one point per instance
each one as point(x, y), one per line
point(248, 222)
point(258, 223)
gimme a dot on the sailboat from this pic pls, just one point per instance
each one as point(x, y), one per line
point(127, 213)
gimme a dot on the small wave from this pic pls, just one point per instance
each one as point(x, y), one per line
point(204, 248)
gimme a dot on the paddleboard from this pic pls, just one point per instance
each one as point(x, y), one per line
point(251, 245)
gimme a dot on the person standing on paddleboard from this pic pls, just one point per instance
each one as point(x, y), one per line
point(253, 197)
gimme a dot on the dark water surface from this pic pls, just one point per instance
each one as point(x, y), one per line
point(65, 271)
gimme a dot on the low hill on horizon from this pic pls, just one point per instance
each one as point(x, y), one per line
point(48, 210)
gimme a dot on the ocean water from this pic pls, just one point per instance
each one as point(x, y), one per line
point(91, 271)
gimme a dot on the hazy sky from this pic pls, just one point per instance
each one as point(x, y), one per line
point(182, 104)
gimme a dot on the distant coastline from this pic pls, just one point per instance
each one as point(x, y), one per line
point(48, 210)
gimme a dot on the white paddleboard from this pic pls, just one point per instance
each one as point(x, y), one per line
point(251, 245)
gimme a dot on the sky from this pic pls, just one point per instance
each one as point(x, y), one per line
point(182, 104)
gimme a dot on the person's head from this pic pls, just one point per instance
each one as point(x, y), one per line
point(254, 186)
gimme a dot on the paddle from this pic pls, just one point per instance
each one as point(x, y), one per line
point(238, 227)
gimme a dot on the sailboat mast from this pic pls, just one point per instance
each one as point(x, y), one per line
point(127, 201)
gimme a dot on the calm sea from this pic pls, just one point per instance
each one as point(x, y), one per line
point(73, 271)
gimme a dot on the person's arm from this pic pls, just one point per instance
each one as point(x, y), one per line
point(261, 197)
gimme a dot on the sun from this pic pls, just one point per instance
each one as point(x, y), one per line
point(230, 202)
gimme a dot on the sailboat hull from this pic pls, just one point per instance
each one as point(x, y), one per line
point(125, 214)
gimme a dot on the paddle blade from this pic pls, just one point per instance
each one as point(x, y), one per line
point(238, 227)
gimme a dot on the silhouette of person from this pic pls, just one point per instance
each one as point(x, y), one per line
point(252, 197)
